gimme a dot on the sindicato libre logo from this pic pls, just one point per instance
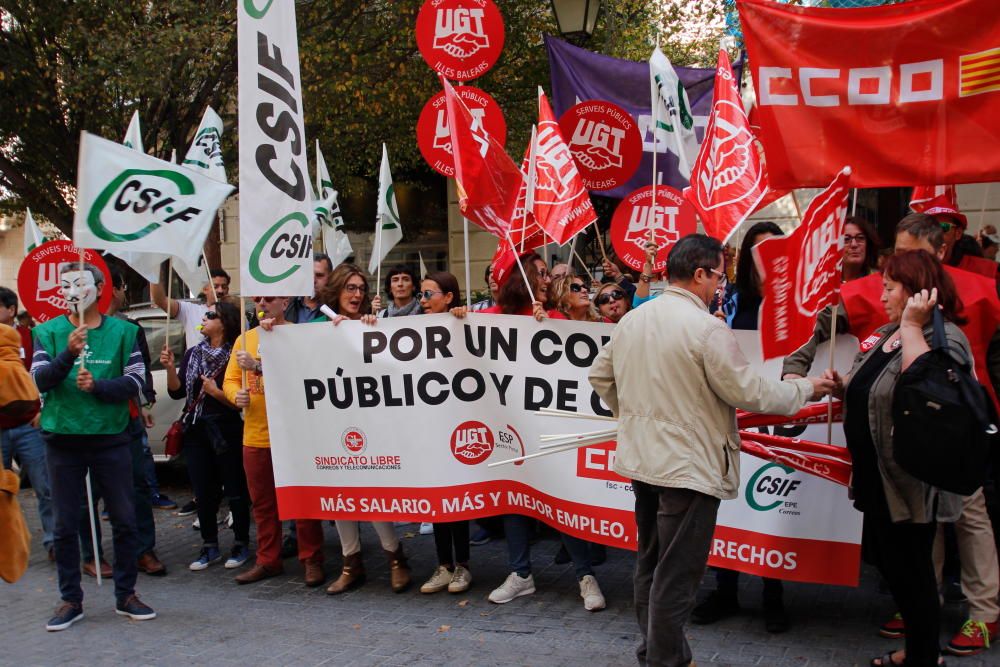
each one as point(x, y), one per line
point(137, 202)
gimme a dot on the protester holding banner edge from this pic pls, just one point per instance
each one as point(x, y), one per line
point(901, 512)
point(213, 435)
point(346, 294)
point(680, 448)
point(976, 544)
point(257, 462)
point(438, 292)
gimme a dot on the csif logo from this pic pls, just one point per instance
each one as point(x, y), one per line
point(137, 202)
point(289, 238)
point(770, 487)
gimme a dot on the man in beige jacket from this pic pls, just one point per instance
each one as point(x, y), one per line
point(673, 375)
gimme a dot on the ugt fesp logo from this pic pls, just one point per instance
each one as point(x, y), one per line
point(472, 442)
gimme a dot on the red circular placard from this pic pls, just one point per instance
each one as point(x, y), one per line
point(634, 216)
point(38, 279)
point(461, 39)
point(605, 143)
point(433, 137)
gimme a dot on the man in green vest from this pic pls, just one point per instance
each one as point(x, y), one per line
point(88, 367)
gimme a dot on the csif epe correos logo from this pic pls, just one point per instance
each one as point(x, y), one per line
point(771, 487)
point(137, 202)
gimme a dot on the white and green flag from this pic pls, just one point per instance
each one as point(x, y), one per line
point(388, 231)
point(133, 202)
point(276, 207)
point(205, 153)
point(133, 135)
point(331, 222)
point(33, 236)
point(672, 111)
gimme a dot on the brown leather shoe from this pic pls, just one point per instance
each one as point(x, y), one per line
point(258, 572)
point(352, 574)
point(151, 565)
point(314, 574)
point(399, 571)
point(90, 569)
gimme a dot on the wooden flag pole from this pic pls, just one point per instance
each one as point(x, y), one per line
point(210, 297)
point(600, 242)
point(468, 270)
point(243, 337)
point(517, 260)
point(83, 322)
point(580, 259)
point(378, 266)
point(93, 526)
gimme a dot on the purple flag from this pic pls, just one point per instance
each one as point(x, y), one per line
point(578, 74)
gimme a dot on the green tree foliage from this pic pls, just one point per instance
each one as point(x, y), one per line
point(72, 66)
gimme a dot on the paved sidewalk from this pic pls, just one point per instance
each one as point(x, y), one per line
point(206, 619)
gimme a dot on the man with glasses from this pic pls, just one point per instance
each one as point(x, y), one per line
point(679, 446)
point(257, 457)
point(953, 226)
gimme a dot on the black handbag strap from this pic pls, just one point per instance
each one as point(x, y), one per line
point(939, 341)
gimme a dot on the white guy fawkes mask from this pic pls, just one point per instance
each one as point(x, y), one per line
point(79, 290)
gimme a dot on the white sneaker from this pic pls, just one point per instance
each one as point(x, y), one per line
point(427, 529)
point(514, 587)
point(460, 581)
point(593, 599)
point(438, 581)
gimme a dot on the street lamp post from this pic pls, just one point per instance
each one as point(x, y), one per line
point(576, 18)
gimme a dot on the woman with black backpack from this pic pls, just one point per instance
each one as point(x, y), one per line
point(901, 511)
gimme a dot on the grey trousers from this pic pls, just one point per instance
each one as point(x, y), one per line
point(675, 533)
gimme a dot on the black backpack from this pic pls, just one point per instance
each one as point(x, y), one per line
point(943, 420)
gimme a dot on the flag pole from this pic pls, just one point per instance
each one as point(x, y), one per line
point(468, 271)
point(600, 242)
point(210, 297)
point(580, 259)
point(529, 187)
point(833, 349)
point(243, 337)
point(93, 527)
point(795, 202)
point(170, 283)
point(517, 260)
point(378, 266)
point(83, 322)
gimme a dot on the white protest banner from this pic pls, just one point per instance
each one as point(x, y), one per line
point(276, 209)
point(399, 421)
point(127, 200)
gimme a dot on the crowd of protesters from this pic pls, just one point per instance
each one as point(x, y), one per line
point(97, 410)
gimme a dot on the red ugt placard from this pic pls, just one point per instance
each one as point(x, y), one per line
point(604, 141)
point(672, 219)
point(38, 278)
point(460, 39)
point(434, 137)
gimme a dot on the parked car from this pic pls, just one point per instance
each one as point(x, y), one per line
point(166, 410)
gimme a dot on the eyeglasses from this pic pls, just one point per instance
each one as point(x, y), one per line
point(211, 315)
point(947, 226)
point(576, 287)
point(720, 275)
point(355, 288)
point(608, 297)
point(264, 299)
point(544, 273)
point(860, 239)
point(427, 294)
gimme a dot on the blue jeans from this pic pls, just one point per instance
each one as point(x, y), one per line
point(518, 529)
point(25, 445)
point(110, 468)
point(149, 467)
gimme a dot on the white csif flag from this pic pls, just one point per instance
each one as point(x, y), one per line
point(327, 207)
point(127, 200)
point(133, 135)
point(33, 236)
point(672, 112)
point(388, 231)
point(205, 153)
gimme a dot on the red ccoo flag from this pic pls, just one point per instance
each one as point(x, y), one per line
point(800, 273)
point(562, 205)
point(728, 181)
point(487, 179)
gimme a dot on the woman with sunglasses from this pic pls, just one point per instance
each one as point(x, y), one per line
point(514, 298)
point(213, 438)
point(612, 302)
point(439, 293)
point(571, 297)
point(347, 295)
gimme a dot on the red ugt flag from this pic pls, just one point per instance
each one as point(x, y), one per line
point(727, 180)
point(927, 197)
point(487, 179)
point(800, 273)
point(562, 204)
